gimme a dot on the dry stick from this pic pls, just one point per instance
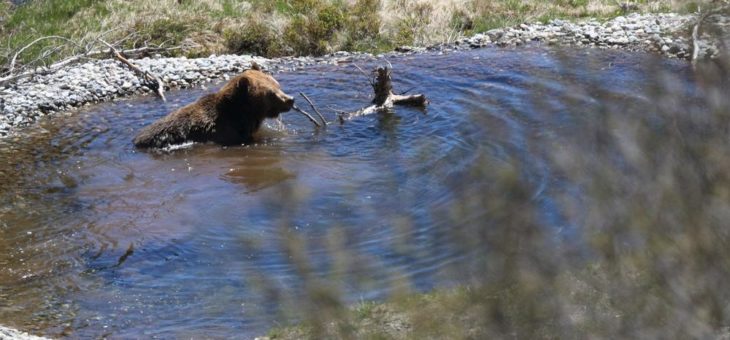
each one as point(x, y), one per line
point(15, 57)
point(88, 53)
point(324, 121)
point(406, 91)
point(153, 79)
point(701, 17)
point(364, 73)
point(695, 41)
point(49, 69)
point(297, 109)
point(73, 59)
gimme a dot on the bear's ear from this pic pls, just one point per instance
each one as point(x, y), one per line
point(255, 66)
point(242, 86)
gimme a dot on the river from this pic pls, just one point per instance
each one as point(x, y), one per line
point(99, 239)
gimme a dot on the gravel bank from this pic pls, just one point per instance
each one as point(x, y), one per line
point(25, 101)
point(652, 32)
point(11, 334)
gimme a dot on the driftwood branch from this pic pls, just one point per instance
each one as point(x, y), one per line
point(385, 99)
point(152, 79)
point(76, 58)
point(324, 121)
point(11, 67)
point(81, 50)
point(311, 119)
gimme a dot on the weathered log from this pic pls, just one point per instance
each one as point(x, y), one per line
point(384, 98)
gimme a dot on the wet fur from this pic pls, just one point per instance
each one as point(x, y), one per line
point(229, 117)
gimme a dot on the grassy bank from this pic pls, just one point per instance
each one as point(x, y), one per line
point(277, 28)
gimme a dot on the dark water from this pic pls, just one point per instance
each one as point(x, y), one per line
point(99, 239)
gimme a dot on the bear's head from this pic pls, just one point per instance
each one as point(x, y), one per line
point(257, 94)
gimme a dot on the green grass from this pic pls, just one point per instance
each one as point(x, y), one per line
point(45, 18)
point(280, 27)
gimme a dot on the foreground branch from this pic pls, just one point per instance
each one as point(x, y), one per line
point(696, 39)
point(384, 99)
point(703, 17)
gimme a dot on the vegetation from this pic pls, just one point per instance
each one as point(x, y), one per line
point(275, 28)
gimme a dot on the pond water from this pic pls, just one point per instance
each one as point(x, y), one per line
point(99, 239)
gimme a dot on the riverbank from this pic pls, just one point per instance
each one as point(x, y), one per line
point(11, 334)
point(279, 28)
point(25, 101)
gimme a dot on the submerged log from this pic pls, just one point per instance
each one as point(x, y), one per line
point(384, 99)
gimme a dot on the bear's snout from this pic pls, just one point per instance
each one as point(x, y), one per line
point(280, 102)
point(288, 101)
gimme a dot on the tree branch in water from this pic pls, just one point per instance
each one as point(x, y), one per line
point(385, 99)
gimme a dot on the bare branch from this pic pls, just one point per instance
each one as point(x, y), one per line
point(311, 119)
point(15, 56)
point(365, 74)
point(324, 121)
point(695, 42)
point(152, 79)
point(73, 59)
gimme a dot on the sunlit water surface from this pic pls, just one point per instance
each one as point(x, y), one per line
point(99, 239)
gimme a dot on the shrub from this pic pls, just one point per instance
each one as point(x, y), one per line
point(363, 26)
point(411, 28)
point(254, 37)
point(166, 30)
point(315, 32)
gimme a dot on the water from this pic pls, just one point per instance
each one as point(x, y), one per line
point(99, 239)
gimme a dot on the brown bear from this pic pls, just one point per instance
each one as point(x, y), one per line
point(229, 117)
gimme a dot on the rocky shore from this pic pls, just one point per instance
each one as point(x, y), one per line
point(11, 334)
point(661, 33)
point(25, 101)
